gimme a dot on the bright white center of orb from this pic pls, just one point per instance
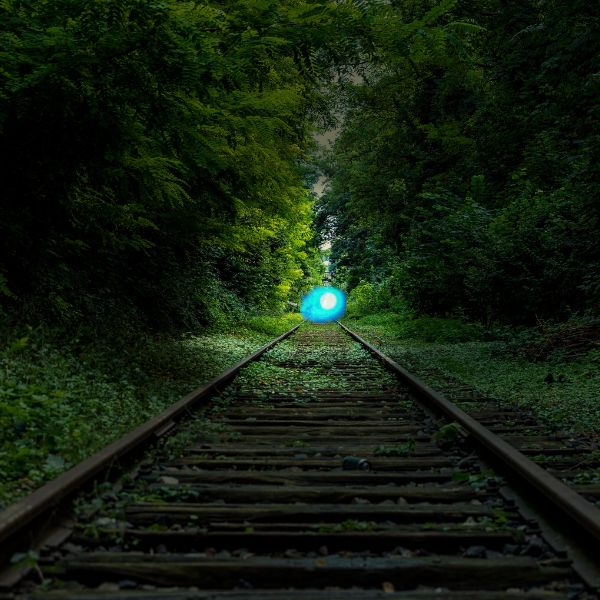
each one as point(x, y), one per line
point(328, 301)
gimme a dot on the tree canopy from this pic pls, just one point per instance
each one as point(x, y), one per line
point(157, 156)
point(154, 156)
point(465, 178)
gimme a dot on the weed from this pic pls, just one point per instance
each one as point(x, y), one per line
point(404, 449)
point(448, 434)
point(348, 525)
point(477, 480)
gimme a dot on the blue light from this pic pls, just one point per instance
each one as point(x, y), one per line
point(323, 304)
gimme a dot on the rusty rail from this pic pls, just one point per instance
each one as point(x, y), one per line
point(561, 495)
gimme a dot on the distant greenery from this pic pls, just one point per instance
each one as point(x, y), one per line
point(62, 400)
point(559, 389)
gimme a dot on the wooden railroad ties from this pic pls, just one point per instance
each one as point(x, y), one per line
point(253, 500)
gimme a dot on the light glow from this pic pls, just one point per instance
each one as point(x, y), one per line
point(328, 301)
point(323, 304)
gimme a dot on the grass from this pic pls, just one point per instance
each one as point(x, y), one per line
point(60, 401)
point(443, 350)
point(312, 369)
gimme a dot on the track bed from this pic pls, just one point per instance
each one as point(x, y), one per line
point(251, 500)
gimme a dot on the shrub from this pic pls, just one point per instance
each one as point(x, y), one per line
point(368, 298)
point(274, 325)
point(435, 329)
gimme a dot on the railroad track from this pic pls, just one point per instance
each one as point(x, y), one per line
point(322, 471)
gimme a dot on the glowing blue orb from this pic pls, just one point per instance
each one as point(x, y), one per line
point(323, 304)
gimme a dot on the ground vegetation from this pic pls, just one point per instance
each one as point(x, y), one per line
point(525, 369)
point(61, 401)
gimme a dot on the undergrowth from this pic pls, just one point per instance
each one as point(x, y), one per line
point(561, 388)
point(426, 329)
point(61, 400)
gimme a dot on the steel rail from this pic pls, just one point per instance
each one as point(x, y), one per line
point(20, 514)
point(560, 494)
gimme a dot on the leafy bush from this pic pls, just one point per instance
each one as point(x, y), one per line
point(274, 326)
point(435, 329)
point(364, 299)
point(368, 298)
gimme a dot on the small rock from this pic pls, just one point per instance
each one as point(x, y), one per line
point(106, 522)
point(360, 501)
point(223, 554)
point(127, 584)
point(108, 587)
point(167, 480)
point(292, 553)
point(323, 551)
point(161, 549)
point(402, 501)
point(534, 546)
point(476, 552)
point(510, 549)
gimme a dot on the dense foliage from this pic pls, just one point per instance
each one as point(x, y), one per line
point(153, 156)
point(466, 177)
